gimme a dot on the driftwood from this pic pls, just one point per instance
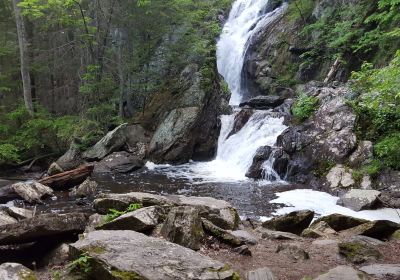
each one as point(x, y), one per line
point(333, 71)
point(69, 178)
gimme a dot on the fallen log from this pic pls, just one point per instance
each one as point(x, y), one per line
point(68, 179)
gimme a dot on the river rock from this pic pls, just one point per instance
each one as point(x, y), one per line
point(225, 236)
point(139, 256)
point(381, 271)
point(279, 163)
point(276, 235)
point(320, 229)
point(118, 162)
point(358, 200)
point(6, 219)
point(294, 222)
point(41, 227)
point(94, 221)
point(263, 102)
point(262, 154)
point(340, 222)
point(183, 226)
point(32, 191)
point(293, 251)
point(359, 252)
point(260, 274)
point(240, 121)
point(54, 169)
point(87, 189)
point(363, 154)
point(18, 213)
point(245, 237)
point(16, 271)
point(366, 240)
point(142, 220)
point(342, 273)
point(380, 229)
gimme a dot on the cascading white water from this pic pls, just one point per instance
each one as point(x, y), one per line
point(236, 152)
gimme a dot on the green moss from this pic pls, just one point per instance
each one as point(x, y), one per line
point(95, 250)
point(304, 107)
point(357, 252)
point(27, 275)
point(126, 275)
point(236, 276)
point(395, 235)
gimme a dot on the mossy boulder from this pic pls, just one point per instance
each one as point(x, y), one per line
point(340, 222)
point(16, 271)
point(358, 252)
point(381, 229)
point(320, 229)
point(294, 222)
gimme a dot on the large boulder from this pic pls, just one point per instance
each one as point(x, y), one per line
point(294, 222)
point(320, 229)
point(340, 222)
point(279, 161)
point(16, 271)
point(118, 162)
point(127, 253)
point(240, 120)
point(70, 160)
point(32, 191)
point(223, 235)
point(263, 102)
point(183, 226)
point(382, 271)
point(343, 273)
point(141, 220)
point(381, 229)
point(41, 227)
point(87, 189)
point(363, 154)
point(359, 199)
point(6, 219)
point(359, 252)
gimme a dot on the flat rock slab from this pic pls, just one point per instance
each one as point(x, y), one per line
point(358, 200)
point(277, 235)
point(15, 271)
point(382, 270)
point(260, 274)
point(118, 253)
point(342, 273)
point(340, 222)
point(42, 226)
point(32, 191)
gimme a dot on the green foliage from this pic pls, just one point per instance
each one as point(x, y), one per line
point(304, 107)
point(300, 10)
point(388, 150)
point(113, 213)
point(8, 153)
point(81, 264)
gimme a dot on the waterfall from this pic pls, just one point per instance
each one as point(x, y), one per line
point(235, 152)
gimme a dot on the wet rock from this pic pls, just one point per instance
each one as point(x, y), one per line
point(362, 155)
point(320, 229)
point(113, 141)
point(294, 222)
point(6, 219)
point(87, 189)
point(293, 251)
point(381, 271)
point(277, 235)
point(359, 252)
point(381, 229)
point(262, 154)
point(118, 253)
point(225, 236)
point(279, 163)
point(340, 222)
point(41, 227)
point(71, 159)
point(340, 177)
point(118, 162)
point(260, 274)
point(358, 200)
point(343, 273)
point(18, 213)
point(32, 191)
point(141, 220)
point(54, 169)
point(245, 237)
point(243, 250)
point(240, 121)
point(16, 271)
point(263, 102)
point(183, 226)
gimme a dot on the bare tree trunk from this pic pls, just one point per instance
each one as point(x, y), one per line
point(24, 57)
point(121, 80)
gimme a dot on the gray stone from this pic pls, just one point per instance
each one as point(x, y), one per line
point(71, 159)
point(382, 270)
point(320, 229)
point(32, 191)
point(141, 220)
point(340, 222)
point(340, 177)
point(225, 236)
point(363, 154)
point(264, 102)
point(15, 271)
point(245, 236)
point(18, 213)
point(87, 189)
point(6, 219)
point(294, 251)
point(243, 250)
point(183, 226)
point(54, 169)
point(94, 221)
point(341, 273)
point(358, 200)
point(294, 222)
point(325, 242)
point(42, 226)
point(381, 229)
point(366, 240)
point(145, 257)
point(358, 252)
point(260, 274)
point(277, 235)
point(279, 158)
point(57, 256)
point(118, 162)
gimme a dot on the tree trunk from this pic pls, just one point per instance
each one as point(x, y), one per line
point(24, 58)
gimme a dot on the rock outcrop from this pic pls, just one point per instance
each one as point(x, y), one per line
point(294, 222)
point(118, 162)
point(359, 199)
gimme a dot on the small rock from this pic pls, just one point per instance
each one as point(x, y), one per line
point(264, 102)
point(54, 169)
point(294, 222)
point(19, 213)
point(224, 235)
point(245, 236)
point(358, 252)
point(340, 222)
point(358, 200)
point(243, 250)
point(276, 235)
point(15, 271)
point(320, 229)
point(341, 273)
point(141, 220)
point(6, 219)
point(87, 189)
point(32, 191)
point(118, 162)
point(293, 251)
point(382, 270)
point(260, 274)
point(183, 226)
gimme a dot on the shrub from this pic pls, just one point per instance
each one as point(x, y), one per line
point(388, 150)
point(8, 154)
point(115, 213)
point(304, 107)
